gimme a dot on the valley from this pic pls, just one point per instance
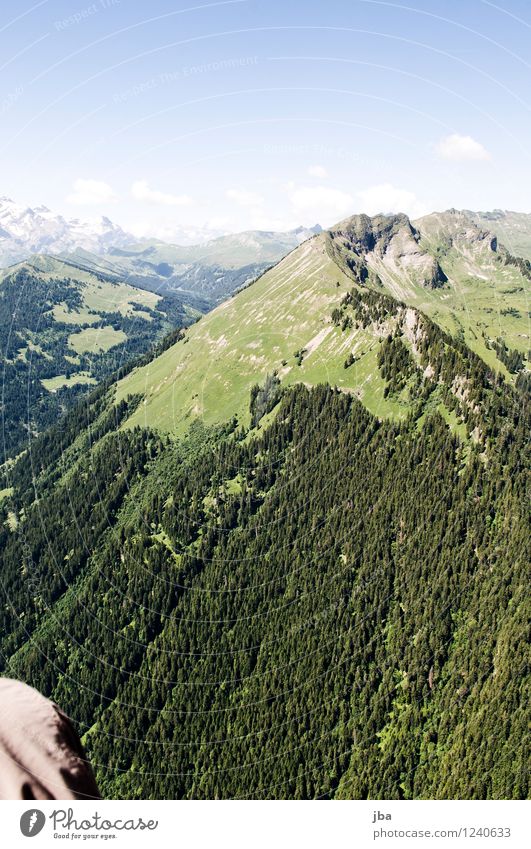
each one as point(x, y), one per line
point(65, 328)
point(92, 314)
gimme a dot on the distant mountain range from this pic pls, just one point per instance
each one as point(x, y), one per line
point(211, 271)
point(26, 230)
point(205, 272)
point(196, 260)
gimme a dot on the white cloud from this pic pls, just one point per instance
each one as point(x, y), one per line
point(388, 198)
point(462, 149)
point(265, 221)
point(319, 203)
point(244, 198)
point(141, 191)
point(173, 232)
point(91, 193)
point(318, 171)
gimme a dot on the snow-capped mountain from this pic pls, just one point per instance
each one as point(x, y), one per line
point(37, 230)
point(27, 230)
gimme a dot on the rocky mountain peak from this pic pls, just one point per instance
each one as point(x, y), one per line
point(387, 245)
point(34, 230)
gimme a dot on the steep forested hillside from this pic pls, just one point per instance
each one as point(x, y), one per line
point(322, 603)
point(64, 328)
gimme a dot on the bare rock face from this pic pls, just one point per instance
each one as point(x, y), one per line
point(366, 234)
point(387, 245)
point(455, 229)
point(512, 229)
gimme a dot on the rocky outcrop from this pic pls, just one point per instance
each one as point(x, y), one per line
point(385, 243)
point(454, 229)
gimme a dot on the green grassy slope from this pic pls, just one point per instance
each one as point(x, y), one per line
point(209, 374)
point(99, 292)
point(486, 298)
point(443, 266)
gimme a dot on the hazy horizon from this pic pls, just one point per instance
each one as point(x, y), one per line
point(204, 233)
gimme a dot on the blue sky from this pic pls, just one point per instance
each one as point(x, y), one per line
point(255, 114)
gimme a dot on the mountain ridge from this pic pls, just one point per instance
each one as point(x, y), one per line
point(293, 320)
point(29, 230)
